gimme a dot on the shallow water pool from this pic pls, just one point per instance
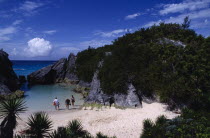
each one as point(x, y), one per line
point(40, 97)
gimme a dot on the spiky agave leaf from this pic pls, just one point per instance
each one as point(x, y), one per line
point(39, 125)
point(75, 129)
point(10, 110)
point(12, 106)
point(61, 132)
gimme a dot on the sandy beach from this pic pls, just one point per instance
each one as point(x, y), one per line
point(122, 123)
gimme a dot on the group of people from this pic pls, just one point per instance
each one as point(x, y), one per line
point(68, 102)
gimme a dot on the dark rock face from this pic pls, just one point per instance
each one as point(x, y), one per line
point(62, 70)
point(22, 79)
point(70, 70)
point(42, 76)
point(8, 79)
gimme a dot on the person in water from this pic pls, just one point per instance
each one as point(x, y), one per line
point(67, 103)
point(56, 103)
point(72, 100)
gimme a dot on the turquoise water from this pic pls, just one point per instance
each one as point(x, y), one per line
point(40, 97)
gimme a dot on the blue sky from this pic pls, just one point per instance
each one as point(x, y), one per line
point(51, 29)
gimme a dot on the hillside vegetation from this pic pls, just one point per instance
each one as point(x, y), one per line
point(170, 61)
point(167, 60)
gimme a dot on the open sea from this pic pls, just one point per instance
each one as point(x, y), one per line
point(40, 97)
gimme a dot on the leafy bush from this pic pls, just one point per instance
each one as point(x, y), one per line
point(189, 124)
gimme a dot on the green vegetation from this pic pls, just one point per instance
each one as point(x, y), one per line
point(9, 112)
point(189, 125)
point(14, 95)
point(168, 60)
point(87, 62)
point(100, 135)
point(39, 125)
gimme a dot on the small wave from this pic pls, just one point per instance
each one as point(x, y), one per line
point(19, 69)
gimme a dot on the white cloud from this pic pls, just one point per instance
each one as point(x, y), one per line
point(93, 43)
point(16, 22)
point(49, 32)
point(191, 5)
point(132, 16)
point(114, 33)
point(30, 6)
point(38, 47)
point(196, 15)
point(6, 32)
point(14, 52)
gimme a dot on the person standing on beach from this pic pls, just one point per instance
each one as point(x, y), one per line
point(111, 101)
point(56, 103)
point(67, 103)
point(72, 100)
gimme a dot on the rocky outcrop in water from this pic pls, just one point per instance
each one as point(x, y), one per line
point(8, 79)
point(62, 70)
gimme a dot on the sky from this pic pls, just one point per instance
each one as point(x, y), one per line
point(51, 29)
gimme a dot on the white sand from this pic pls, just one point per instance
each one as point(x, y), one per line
point(112, 122)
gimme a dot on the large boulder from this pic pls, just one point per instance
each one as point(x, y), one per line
point(8, 79)
point(62, 70)
point(42, 76)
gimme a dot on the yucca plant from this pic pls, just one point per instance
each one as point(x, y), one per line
point(75, 129)
point(61, 132)
point(101, 135)
point(39, 125)
point(9, 111)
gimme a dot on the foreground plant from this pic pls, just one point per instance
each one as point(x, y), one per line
point(10, 110)
point(73, 130)
point(101, 135)
point(39, 125)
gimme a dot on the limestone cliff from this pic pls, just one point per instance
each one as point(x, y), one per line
point(8, 79)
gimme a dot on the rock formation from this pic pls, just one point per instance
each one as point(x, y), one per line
point(96, 94)
point(8, 79)
point(62, 70)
